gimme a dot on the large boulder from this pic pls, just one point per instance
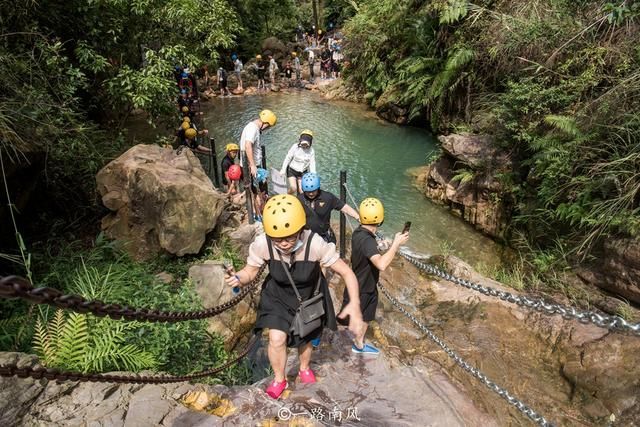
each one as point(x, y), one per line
point(393, 113)
point(618, 269)
point(233, 324)
point(160, 201)
point(464, 178)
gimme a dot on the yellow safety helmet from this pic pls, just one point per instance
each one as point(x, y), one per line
point(190, 133)
point(371, 211)
point(185, 125)
point(294, 54)
point(258, 56)
point(267, 116)
point(232, 147)
point(319, 32)
point(185, 109)
point(186, 119)
point(283, 216)
point(306, 132)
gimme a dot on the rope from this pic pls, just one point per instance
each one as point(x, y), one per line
point(540, 305)
point(353, 200)
point(514, 401)
point(54, 374)
point(17, 287)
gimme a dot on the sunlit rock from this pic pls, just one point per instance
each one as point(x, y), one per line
point(160, 201)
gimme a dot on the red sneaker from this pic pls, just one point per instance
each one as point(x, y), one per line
point(307, 377)
point(275, 389)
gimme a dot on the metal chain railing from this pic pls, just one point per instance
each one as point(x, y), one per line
point(512, 400)
point(17, 287)
point(54, 374)
point(601, 320)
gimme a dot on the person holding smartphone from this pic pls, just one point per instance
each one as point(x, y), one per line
point(367, 263)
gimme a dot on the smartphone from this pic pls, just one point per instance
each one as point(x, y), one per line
point(407, 226)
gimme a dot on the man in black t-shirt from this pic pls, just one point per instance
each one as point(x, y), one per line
point(318, 205)
point(367, 263)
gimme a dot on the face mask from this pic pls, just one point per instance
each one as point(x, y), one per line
point(297, 246)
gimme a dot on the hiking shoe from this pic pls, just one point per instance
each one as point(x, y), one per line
point(275, 389)
point(315, 342)
point(368, 349)
point(307, 377)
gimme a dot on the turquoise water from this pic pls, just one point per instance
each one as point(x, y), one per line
point(376, 155)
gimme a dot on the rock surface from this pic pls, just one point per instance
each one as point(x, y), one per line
point(350, 391)
point(572, 373)
point(160, 201)
point(618, 269)
point(234, 324)
point(464, 178)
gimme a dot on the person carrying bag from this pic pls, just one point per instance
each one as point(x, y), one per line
point(294, 302)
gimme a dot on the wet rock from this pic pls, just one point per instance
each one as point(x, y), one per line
point(275, 88)
point(161, 201)
point(237, 91)
point(208, 279)
point(618, 269)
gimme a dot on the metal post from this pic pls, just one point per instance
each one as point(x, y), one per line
point(247, 187)
point(343, 218)
point(214, 160)
point(264, 157)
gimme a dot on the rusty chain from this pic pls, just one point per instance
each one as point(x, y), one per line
point(54, 374)
point(18, 287)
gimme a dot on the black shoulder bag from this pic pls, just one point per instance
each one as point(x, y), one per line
point(309, 313)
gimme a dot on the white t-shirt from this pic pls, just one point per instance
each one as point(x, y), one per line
point(300, 159)
point(320, 251)
point(251, 132)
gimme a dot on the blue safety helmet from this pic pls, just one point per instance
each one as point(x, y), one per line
point(310, 181)
point(234, 57)
point(184, 75)
point(261, 175)
point(183, 91)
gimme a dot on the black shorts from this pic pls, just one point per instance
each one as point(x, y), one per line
point(223, 84)
point(294, 173)
point(262, 186)
point(329, 236)
point(368, 306)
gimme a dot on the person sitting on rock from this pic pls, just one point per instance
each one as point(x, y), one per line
point(231, 179)
point(300, 159)
point(367, 263)
point(295, 257)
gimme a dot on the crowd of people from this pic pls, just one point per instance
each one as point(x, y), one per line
point(298, 244)
point(325, 50)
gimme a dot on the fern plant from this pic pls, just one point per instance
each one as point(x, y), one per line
point(83, 343)
point(463, 176)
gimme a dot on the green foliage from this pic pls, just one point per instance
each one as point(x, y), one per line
point(463, 176)
point(107, 274)
point(79, 342)
point(541, 77)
